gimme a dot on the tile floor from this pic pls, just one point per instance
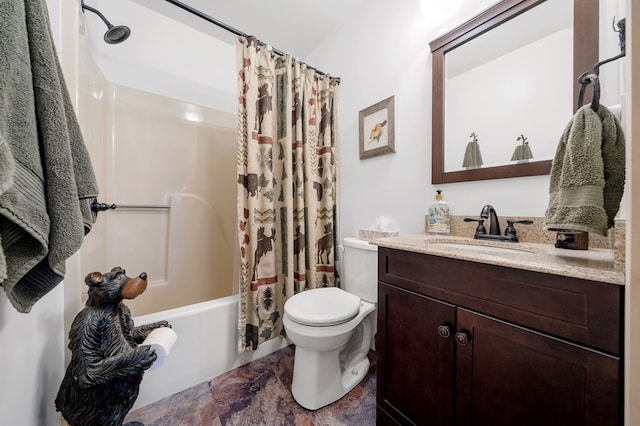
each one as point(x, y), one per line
point(259, 393)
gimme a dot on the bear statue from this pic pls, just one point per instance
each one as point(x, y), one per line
point(103, 379)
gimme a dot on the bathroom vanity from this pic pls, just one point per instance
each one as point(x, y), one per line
point(531, 337)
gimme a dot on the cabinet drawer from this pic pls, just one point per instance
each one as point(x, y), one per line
point(582, 311)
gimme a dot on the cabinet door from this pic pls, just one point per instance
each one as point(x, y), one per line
point(507, 375)
point(415, 357)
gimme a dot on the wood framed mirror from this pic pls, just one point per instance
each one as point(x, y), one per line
point(584, 41)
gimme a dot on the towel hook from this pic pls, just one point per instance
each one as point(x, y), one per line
point(621, 35)
point(585, 79)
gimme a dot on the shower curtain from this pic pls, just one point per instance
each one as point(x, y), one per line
point(287, 185)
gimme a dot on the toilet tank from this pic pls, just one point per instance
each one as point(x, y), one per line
point(360, 269)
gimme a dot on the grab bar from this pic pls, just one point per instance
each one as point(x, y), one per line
point(100, 207)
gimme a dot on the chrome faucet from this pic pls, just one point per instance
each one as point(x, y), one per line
point(488, 212)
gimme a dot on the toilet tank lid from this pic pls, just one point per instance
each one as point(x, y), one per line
point(359, 244)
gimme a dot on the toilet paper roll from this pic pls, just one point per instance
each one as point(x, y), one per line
point(162, 340)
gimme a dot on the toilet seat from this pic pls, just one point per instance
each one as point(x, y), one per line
point(322, 307)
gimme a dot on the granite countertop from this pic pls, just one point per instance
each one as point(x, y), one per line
point(596, 264)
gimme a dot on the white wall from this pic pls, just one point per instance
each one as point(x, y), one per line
point(32, 345)
point(383, 52)
point(32, 357)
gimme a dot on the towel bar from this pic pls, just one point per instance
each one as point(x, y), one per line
point(100, 207)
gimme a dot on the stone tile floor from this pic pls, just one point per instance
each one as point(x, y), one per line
point(259, 393)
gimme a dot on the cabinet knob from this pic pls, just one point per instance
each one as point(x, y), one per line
point(444, 330)
point(463, 337)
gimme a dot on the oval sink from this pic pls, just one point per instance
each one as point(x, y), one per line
point(478, 247)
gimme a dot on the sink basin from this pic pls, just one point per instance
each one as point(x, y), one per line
point(478, 247)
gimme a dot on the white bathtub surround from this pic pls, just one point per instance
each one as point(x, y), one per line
point(206, 347)
point(147, 150)
point(187, 166)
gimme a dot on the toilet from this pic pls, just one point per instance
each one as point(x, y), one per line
point(333, 328)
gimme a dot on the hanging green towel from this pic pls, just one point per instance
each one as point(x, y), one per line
point(613, 157)
point(522, 152)
point(587, 175)
point(47, 182)
point(472, 155)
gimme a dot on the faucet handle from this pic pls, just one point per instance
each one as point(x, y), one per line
point(480, 229)
point(511, 230)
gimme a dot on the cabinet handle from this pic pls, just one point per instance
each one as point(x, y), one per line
point(444, 330)
point(463, 337)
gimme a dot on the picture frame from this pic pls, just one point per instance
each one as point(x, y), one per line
point(377, 129)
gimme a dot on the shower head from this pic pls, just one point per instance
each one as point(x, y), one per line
point(115, 33)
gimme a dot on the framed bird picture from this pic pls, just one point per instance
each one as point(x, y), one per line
point(377, 129)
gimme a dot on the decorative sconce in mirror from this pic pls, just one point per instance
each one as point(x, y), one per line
point(511, 70)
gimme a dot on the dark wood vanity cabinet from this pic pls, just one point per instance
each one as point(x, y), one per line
point(466, 343)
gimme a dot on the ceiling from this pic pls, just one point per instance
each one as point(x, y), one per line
point(295, 27)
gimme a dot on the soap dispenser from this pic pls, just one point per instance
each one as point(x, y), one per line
point(439, 219)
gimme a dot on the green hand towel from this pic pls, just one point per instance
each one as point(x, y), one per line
point(45, 200)
point(588, 169)
point(7, 170)
point(613, 157)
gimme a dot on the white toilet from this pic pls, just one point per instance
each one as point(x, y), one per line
point(333, 329)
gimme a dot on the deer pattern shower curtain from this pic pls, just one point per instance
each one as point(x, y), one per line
point(287, 186)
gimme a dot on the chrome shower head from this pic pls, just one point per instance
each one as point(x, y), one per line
point(115, 33)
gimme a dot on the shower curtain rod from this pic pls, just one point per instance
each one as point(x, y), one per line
point(231, 29)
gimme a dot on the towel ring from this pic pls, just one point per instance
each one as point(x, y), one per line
point(585, 79)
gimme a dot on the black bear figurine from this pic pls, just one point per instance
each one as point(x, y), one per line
point(103, 379)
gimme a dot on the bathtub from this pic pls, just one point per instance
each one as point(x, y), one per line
point(207, 346)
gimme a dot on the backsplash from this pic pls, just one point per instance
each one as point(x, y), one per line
point(619, 246)
point(535, 234)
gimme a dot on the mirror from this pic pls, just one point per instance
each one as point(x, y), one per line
point(488, 89)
